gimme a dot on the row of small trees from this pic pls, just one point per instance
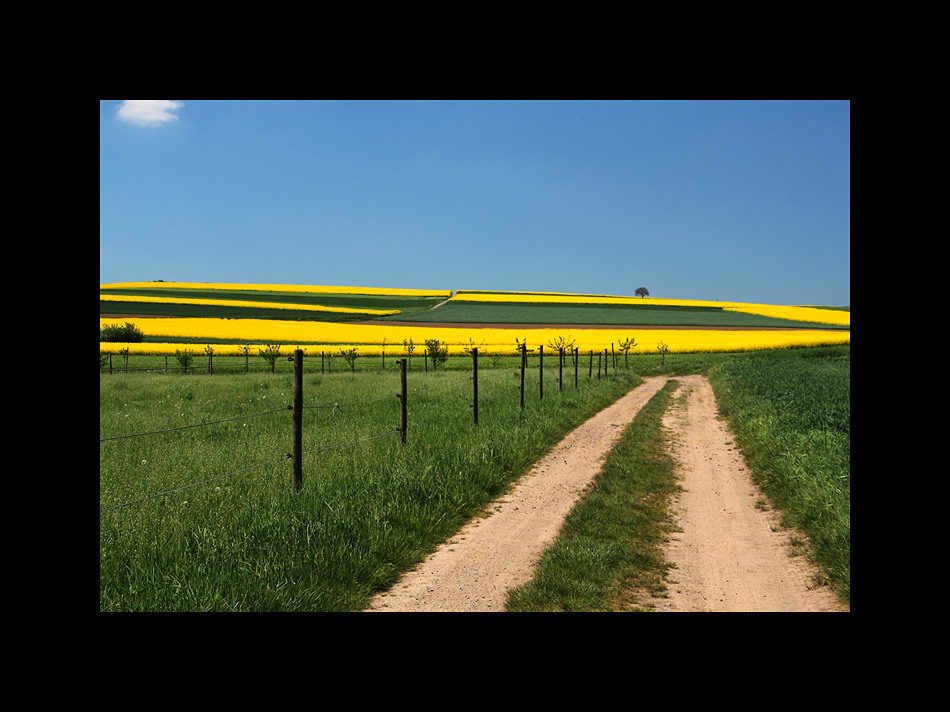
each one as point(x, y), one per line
point(186, 357)
point(434, 349)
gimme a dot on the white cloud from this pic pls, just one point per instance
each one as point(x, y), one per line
point(148, 112)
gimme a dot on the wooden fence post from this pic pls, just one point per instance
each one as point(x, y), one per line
point(524, 360)
point(475, 386)
point(298, 419)
point(577, 357)
point(402, 397)
point(560, 369)
point(541, 372)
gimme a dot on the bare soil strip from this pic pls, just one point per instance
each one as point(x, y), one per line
point(473, 571)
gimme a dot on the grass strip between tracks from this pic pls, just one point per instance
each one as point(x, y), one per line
point(609, 546)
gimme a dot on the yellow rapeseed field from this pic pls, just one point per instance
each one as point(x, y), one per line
point(369, 338)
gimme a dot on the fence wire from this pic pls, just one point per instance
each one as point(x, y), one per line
point(197, 425)
point(490, 375)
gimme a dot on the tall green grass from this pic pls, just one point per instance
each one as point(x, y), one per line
point(205, 518)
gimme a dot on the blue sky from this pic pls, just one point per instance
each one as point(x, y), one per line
point(724, 200)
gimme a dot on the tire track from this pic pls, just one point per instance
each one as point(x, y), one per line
point(731, 553)
point(474, 570)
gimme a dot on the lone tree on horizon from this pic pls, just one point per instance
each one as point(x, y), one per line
point(642, 292)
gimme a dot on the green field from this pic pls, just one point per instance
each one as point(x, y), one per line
point(596, 315)
point(420, 310)
point(205, 518)
point(791, 412)
point(406, 304)
point(197, 512)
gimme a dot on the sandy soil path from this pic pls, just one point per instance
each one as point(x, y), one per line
point(474, 569)
point(730, 555)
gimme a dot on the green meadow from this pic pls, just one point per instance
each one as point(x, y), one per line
point(597, 315)
point(197, 508)
point(198, 512)
point(406, 304)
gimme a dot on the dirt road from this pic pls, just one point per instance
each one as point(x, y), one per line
point(730, 555)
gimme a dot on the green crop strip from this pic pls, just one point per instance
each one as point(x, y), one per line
point(350, 301)
point(597, 314)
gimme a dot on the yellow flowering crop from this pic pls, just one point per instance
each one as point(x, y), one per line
point(812, 314)
point(383, 291)
point(369, 338)
point(244, 303)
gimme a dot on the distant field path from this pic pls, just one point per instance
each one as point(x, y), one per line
point(452, 294)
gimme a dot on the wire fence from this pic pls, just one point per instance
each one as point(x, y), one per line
point(329, 361)
point(297, 407)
